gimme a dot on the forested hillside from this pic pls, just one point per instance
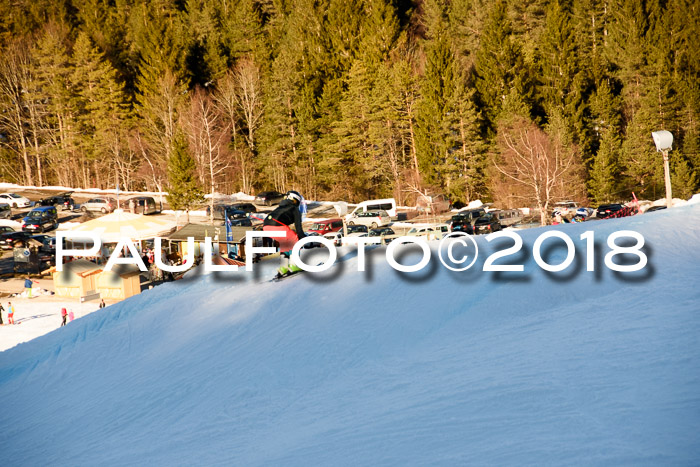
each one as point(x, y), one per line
point(502, 100)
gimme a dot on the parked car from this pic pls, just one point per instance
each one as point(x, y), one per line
point(268, 198)
point(606, 210)
point(61, 200)
point(5, 211)
point(246, 207)
point(103, 205)
point(463, 221)
point(9, 240)
point(6, 228)
point(144, 205)
point(40, 219)
point(241, 222)
point(382, 232)
point(351, 231)
point(566, 208)
point(15, 200)
point(371, 219)
point(48, 243)
point(325, 227)
point(486, 224)
point(221, 209)
point(508, 217)
point(431, 231)
point(388, 205)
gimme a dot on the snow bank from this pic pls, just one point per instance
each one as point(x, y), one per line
point(11, 186)
point(379, 367)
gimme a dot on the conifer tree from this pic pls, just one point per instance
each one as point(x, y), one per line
point(184, 191)
point(684, 179)
point(604, 170)
point(500, 65)
point(466, 21)
point(241, 31)
point(435, 116)
point(53, 68)
point(103, 107)
point(561, 76)
point(603, 182)
point(350, 151)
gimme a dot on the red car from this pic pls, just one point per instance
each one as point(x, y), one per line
point(327, 226)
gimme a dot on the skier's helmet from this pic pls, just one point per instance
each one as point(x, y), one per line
point(294, 196)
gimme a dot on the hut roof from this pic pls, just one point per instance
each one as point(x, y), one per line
point(113, 227)
point(200, 231)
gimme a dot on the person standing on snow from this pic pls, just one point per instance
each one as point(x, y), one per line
point(64, 314)
point(10, 313)
point(28, 284)
point(1, 310)
point(287, 213)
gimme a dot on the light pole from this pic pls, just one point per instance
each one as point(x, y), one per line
point(664, 140)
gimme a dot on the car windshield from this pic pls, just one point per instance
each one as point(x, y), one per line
point(357, 228)
point(319, 227)
point(15, 195)
point(36, 214)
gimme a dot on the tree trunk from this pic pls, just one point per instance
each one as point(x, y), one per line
point(25, 153)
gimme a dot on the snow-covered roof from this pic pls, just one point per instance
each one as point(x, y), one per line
point(120, 224)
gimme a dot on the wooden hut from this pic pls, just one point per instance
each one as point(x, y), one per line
point(78, 278)
point(216, 232)
point(123, 281)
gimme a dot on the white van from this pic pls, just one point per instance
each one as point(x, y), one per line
point(388, 205)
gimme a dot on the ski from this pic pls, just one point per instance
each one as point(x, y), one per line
point(279, 277)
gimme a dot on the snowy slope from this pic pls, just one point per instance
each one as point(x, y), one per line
point(379, 368)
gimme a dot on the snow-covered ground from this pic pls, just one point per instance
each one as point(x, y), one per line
point(379, 367)
point(38, 316)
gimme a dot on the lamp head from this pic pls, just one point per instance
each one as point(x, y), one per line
point(663, 140)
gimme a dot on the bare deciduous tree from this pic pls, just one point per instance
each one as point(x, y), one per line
point(249, 97)
point(536, 162)
point(239, 98)
point(208, 135)
point(14, 65)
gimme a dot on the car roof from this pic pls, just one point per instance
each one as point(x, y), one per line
point(43, 208)
point(327, 221)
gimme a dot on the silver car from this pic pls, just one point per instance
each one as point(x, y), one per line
point(103, 205)
point(5, 211)
point(371, 219)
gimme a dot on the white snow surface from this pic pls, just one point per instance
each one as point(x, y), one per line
point(38, 316)
point(350, 368)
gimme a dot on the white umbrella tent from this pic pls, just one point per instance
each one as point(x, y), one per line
point(119, 225)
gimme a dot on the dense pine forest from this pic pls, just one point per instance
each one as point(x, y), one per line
point(518, 102)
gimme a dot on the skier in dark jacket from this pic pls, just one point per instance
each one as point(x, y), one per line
point(287, 213)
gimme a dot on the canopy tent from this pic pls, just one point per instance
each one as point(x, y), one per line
point(119, 224)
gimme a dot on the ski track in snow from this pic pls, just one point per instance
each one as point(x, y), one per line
point(378, 368)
